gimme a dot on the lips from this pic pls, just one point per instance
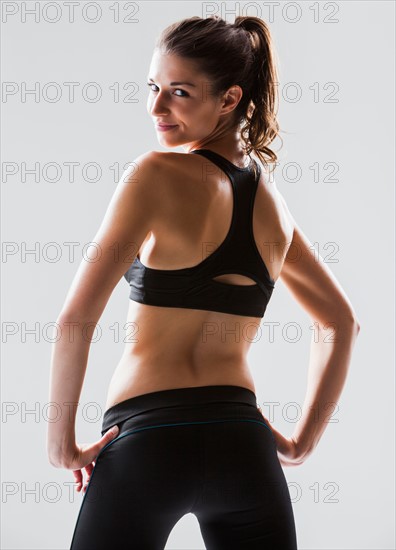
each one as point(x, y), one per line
point(166, 125)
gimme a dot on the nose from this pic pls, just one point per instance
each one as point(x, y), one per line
point(157, 105)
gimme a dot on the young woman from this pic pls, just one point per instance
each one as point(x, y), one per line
point(190, 232)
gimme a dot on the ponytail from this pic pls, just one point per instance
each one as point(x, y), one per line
point(260, 126)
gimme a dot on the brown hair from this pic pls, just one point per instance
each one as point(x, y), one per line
point(234, 53)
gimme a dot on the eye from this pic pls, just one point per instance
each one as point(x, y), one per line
point(185, 94)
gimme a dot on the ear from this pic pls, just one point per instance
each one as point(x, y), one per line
point(231, 98)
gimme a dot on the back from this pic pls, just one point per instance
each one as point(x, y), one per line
point(192, 229)
point(197, 286)
point(188, 341)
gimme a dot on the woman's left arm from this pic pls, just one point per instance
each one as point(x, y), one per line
point(125, 226)
point(336, 327)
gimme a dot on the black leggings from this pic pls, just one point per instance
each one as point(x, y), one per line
point(204, 450)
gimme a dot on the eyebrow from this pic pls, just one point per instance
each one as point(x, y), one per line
point(179, 83)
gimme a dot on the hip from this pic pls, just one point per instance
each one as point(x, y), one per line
point(184, 406)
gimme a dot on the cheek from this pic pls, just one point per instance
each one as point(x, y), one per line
point(194, 107)
point(204, 115)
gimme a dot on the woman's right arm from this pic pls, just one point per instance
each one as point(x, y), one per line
point(316, 289)
point(127, 221)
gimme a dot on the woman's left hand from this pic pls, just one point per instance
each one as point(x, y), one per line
point(287, 448)
point(84, 457)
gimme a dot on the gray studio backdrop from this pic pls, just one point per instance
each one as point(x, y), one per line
point(64, 148)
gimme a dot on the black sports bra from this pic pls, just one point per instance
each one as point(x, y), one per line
point(194, 287)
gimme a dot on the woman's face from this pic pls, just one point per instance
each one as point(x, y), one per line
point(179, 96)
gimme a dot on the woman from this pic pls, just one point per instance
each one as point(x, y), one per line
point(190, 233)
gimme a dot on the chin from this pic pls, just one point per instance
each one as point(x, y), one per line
point(170, 142)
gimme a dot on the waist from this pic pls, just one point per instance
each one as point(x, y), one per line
point(199, 402)
point(138, 374)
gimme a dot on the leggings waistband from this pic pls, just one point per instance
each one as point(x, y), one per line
point(177, 397)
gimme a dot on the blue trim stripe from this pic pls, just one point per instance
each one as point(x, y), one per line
point(179, 424)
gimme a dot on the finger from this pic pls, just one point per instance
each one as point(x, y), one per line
point(106, 438)
point(110, 434)
point(78, 479)
point(77, 476)
point(93, 450)
point(89, 469)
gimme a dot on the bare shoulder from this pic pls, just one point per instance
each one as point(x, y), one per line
point(149, 174)
point(165, 184)
point(171, 174)
point(142, 165)
point(273, 204)
point(164, 158)
point(161, 164)
point(156, 160)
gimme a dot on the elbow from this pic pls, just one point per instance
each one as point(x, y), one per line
point(355, 322)
point(342, 319)
point(354, 326)
point(55, 463)
point(348, 318)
